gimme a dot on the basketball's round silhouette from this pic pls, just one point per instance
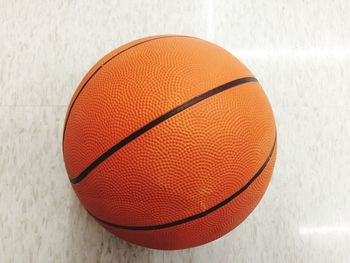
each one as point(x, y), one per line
point(169, 142)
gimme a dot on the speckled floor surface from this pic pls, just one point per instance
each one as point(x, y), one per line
point(300, 52)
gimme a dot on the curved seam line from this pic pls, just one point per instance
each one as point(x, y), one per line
point(98, 69)
point(199, 215)
point(156, 121)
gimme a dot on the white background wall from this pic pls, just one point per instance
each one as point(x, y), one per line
point(300, 52)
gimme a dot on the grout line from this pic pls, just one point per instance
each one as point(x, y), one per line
point(32, 106)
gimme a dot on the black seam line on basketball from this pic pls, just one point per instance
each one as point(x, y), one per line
point(76, 97)
point(98, 69)
point(199, 215)
point(158, 120)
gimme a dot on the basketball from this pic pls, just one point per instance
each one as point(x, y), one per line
point(169, 142)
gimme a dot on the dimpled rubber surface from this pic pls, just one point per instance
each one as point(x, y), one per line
point(136, 87)
point(205, 229)
point(184, 165)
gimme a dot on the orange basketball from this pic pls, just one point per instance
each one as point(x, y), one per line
point(169, 142)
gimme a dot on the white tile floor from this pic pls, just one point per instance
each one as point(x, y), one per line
point(299, 50)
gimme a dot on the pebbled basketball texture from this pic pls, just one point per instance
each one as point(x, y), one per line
point(169, 142)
